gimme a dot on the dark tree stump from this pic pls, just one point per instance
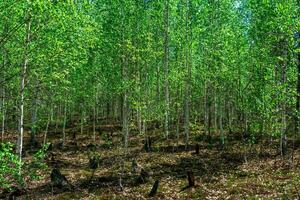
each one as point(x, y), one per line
point(154, 189)
point(34, 144)
point(74, 141)
point(197, 149)
point(148, 144)
point(57, 179)
point(121, 188)
point(143, 177)
point(17, 192)
point(111, 135)
point(74, 136)
point(60, 145)
point(91, 147)
point(93, 162)
point(134, 166)
point(50, 147)
point(52, 157)
point(191, 179)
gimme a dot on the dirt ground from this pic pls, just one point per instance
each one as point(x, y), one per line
point(233, 172)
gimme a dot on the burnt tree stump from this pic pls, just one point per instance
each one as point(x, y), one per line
point(148, 144)
point(50, 147)
point(134, 166)
point(154, 189)
point(74, 140)
point(91, 147)
point(17, 192)
point(197, 149)
point(60, 145)
point(191, 179)
point(111, 129)
point(57, 179)
point(143, 177)
point(93, 164)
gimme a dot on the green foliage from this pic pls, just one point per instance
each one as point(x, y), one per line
point(105, 136)
point(36, 163)
point(237, 57)
point(14, 173)
point(10, 166)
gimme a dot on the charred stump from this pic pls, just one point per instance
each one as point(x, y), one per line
point(58, 179)
point(93, 162)
point(154, 189)
point(191, 179)
point(17, 192)
point(134, 166)
point(143, 177)
point(60, 145)
point(74, 135)
point(93, 165)
point(34, 144)
point(74, 140)
point(49, 148)
point(148, 144)
point(91, 147)
point(197, 149)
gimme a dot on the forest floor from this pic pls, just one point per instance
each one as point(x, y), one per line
point(219, 173)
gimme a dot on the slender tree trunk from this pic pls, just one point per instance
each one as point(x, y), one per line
point(139, 117)
point(125, 114)
point(221, 126)
point(230, 117)
point(205, 110)
point(158, 89)
point(82, 121)
point(187, 82)
point(97, 104)
point(297, 115)
point(186, 119)
point(107, 112)
point(283, 138)
point(57, 117)
point(138, 66)
point(115, 110)
point(23, 80)
point(5, 63)
point(245, 135)
point(158, 75)
point(3, 114)
point(216, 112)
point(125, 105)
point(208, 112)
point(125, 71)
point(177, 127)
point(221, 129)
point(94, 123)
point(144, 127)
point(209, 121)
point(121, 107)
point(125, 121)
point(34, 122)
point(227, 114)
point(298, 95)
point(64, 125)
point(47, 125)
point(166, 67)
